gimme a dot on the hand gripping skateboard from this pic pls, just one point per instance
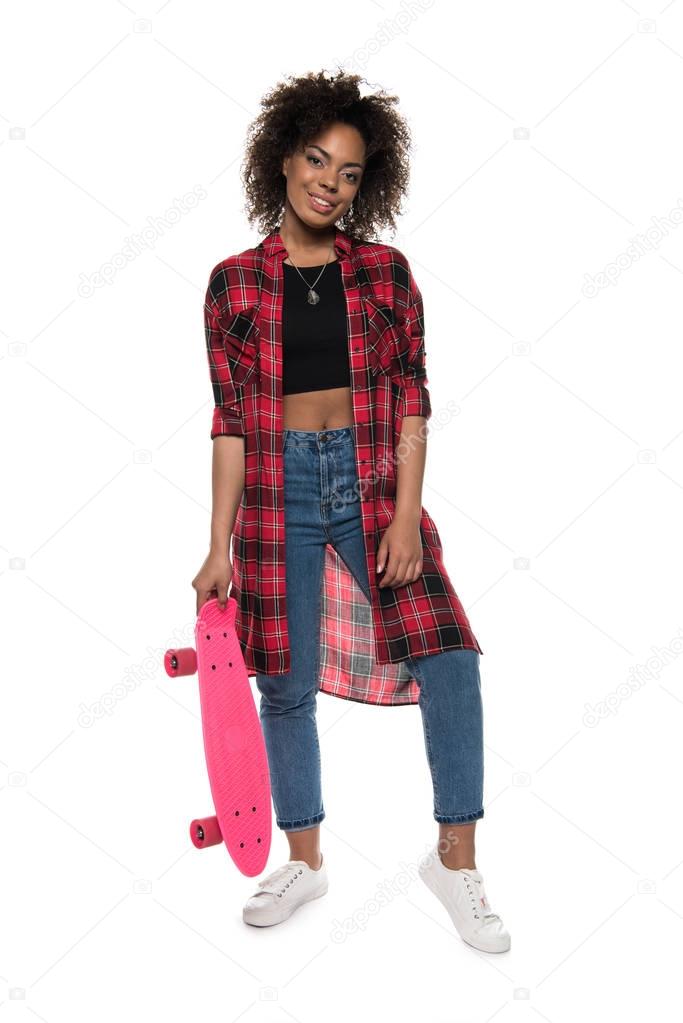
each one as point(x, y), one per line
point(236, 758)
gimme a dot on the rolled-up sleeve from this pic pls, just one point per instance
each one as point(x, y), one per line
point(413, 381)
point(227, 413)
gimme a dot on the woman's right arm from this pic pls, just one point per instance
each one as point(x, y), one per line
point(213, 578)
point(227, 433)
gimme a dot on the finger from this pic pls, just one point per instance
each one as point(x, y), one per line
point(403, 574)
point(392, 568)
point(414, 571)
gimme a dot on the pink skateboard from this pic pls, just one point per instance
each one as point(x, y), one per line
point(236, 758)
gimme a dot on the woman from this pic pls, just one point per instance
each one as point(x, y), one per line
point(316, 352)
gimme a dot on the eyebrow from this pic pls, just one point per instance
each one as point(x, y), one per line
point(313, 146)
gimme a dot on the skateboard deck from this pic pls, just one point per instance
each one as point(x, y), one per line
point(236, 760)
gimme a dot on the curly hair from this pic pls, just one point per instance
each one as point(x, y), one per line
point(295, 111)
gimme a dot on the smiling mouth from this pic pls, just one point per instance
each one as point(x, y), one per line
point(320, 204)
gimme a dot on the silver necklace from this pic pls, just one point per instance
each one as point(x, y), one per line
point(313, 296)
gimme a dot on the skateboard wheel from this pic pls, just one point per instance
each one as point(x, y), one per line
point(205, 832)
point(180, 662)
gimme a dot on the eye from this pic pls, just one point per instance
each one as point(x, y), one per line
point(350, 176)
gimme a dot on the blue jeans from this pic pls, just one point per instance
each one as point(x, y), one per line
point(322, 505)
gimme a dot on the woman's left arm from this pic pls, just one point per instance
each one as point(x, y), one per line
point(415, 410)
point(411, 456)
point(401, 546)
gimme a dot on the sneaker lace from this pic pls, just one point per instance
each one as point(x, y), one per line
point(478, 900)
point(274, 882)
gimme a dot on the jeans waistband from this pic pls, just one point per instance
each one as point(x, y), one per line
point(319, 439)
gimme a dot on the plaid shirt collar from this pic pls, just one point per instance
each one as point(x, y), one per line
point(273, 244)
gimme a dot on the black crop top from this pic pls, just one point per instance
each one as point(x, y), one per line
point(315, 350)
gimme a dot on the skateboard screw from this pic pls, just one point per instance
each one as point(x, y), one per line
point(225, 634)
point(241, 845)
point(253, 809)
point(213, 667)
point(258, 839)
point(237, 813)
point(207, 636)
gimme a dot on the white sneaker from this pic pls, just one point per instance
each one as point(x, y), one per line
point(283, 891)
point(462, 893)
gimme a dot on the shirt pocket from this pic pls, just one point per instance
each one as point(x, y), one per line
point(241, 339)
point(388, 340)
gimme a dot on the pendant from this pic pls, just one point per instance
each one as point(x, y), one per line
point(313, 297)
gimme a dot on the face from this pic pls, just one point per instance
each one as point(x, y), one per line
point(329, 166)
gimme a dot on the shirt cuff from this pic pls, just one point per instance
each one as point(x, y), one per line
point(227, 422)
point(415, 401)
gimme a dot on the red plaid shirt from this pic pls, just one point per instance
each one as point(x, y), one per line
point(362, 643)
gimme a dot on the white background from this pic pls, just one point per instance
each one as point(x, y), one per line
point(547, 147)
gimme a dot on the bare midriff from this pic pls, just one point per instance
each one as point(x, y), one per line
point(318, 410)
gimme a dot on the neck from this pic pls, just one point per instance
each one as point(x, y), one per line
point(299, 238)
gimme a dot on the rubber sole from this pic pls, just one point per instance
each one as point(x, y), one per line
point(286, 916)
